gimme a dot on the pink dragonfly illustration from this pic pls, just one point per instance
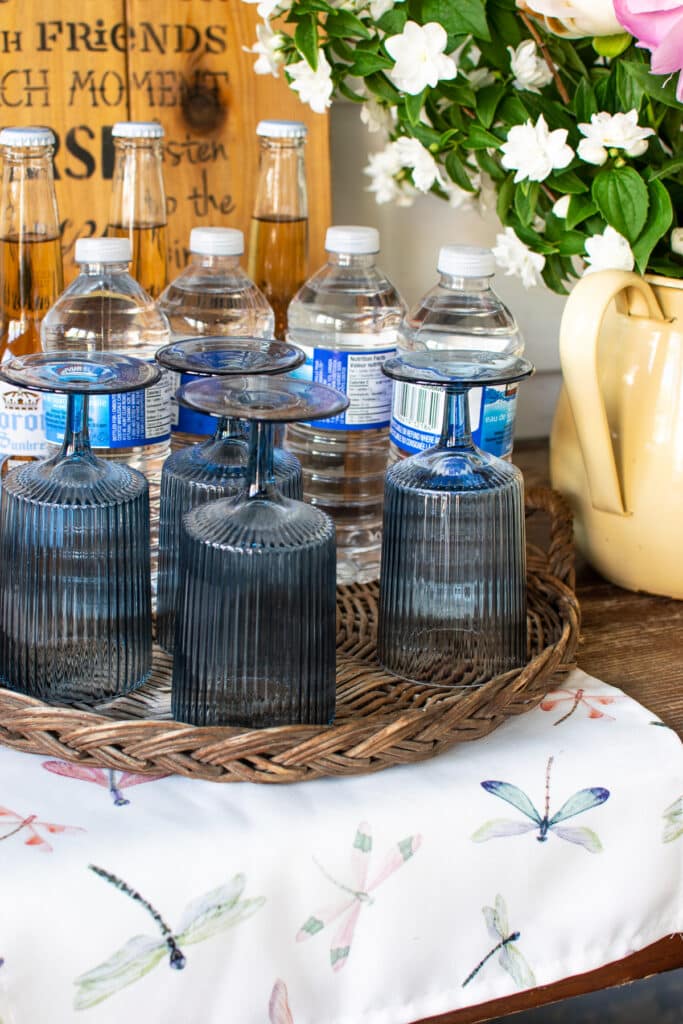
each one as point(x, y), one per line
point(17, 822)
point(278, 1006)
point(101, 777)
point(574, 698)
point(356, 893)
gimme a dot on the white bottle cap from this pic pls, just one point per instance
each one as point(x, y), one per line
point(282, 129)
point(137, 130)
point(352, 239)
point(466, 261)
point(103, 250)
point(217, 241)
point(26, 136)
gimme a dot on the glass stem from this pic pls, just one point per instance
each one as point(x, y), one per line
point(260, 474)
point(228, 427)
point(76, 436)
point(456, 431)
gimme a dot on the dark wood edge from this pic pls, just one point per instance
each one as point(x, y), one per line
point(665, 955)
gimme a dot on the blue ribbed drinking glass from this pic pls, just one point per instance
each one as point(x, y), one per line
point(216, 467)
point(75, 596)
point(453, 575)
point(255, 631)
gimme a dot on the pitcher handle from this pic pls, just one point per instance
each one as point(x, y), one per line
point(579, 333)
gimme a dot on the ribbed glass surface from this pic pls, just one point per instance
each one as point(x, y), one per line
point(213, 469)
point(75, 612)
point(255, 643)
point(453, 586)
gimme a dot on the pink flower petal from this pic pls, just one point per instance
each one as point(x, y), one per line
point(668, 56)
point(648, 26)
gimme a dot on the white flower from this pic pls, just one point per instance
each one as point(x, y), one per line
point(382, 168)
point(561, 207)
point(419, 55)
point(479, 78)
point(612, 131)
point(534, 152)
point(457, 197)
point(267, 49)
point(576, 17)
point(531, 71)
point(380, 7)
point(314, 87)
point(514, 257)
point(377, 116)
point(608, 251)
point(411, 153)
point(266, 8)
point(677, 241)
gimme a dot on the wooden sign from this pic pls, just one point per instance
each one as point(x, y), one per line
point(81, 66)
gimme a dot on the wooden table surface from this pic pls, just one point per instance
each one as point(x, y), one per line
point(635, 642)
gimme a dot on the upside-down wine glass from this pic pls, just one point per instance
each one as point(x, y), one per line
point(255, 632)
point(216, 467)
point(453, 576)
point(75, 595)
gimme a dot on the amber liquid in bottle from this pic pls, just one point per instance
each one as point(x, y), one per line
point(277, 261)
point(30, 280)
point(149, 254)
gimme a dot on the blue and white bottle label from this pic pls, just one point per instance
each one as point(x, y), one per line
point(22, 422)
point(418, 412)
point(358, 374)
point(184, 420)
point(128, 420)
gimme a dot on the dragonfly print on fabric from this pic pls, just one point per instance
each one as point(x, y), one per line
point(569, 700)
point(203, 918)
point(278, 1006)
point(15, 823)
point(105, 777)
point(355, 891)
point(579, 803)
point(505, 940)
point(673, 817)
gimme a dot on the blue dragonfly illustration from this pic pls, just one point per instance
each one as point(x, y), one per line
point(580, 802)
point(509, 957)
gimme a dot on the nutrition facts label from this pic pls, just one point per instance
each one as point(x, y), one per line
point(357, 374)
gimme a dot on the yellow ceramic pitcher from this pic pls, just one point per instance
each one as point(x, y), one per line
point(617, 439)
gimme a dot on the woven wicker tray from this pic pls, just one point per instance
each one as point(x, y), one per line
point(381, 720)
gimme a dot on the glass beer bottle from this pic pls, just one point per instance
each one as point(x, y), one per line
point(278, 241)
point(138, 202)
point(31, 275)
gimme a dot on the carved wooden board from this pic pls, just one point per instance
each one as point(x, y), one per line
point(81, 66)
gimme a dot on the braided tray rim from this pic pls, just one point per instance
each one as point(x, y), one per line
point(381, 720)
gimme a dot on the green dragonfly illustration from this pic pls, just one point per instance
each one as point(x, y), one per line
point(673, 816)
point(202, 918)
point(509, 956)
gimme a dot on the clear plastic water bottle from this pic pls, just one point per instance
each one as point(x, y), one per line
point(105, 310)
point(461, 312)
point(346, 319)
point(212, 296)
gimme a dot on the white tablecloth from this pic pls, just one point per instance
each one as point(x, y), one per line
point(557, 842)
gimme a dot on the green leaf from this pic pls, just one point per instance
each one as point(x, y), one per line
point(367, 63)
point(487, 100)
point(457, 172)
point(345, 24)
point(612, 46)
point(306, 40)
point(304, 7)
point(668, 169)
point(393, 22)
point(525, 202)
point(659, 87)
point(532, 238)
point(554, 273)
point(505, 196)
point(580, 208)
point(479, 138)
point(571, 243)
point(568, 181)
point(512, 111)
point(458, 18)
point(629, 88)
point(381, 86)
point(584, 103)
point(414, 105)
point(659, 217)
point(488, 164)
point(621, 196)
point(348, 92)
